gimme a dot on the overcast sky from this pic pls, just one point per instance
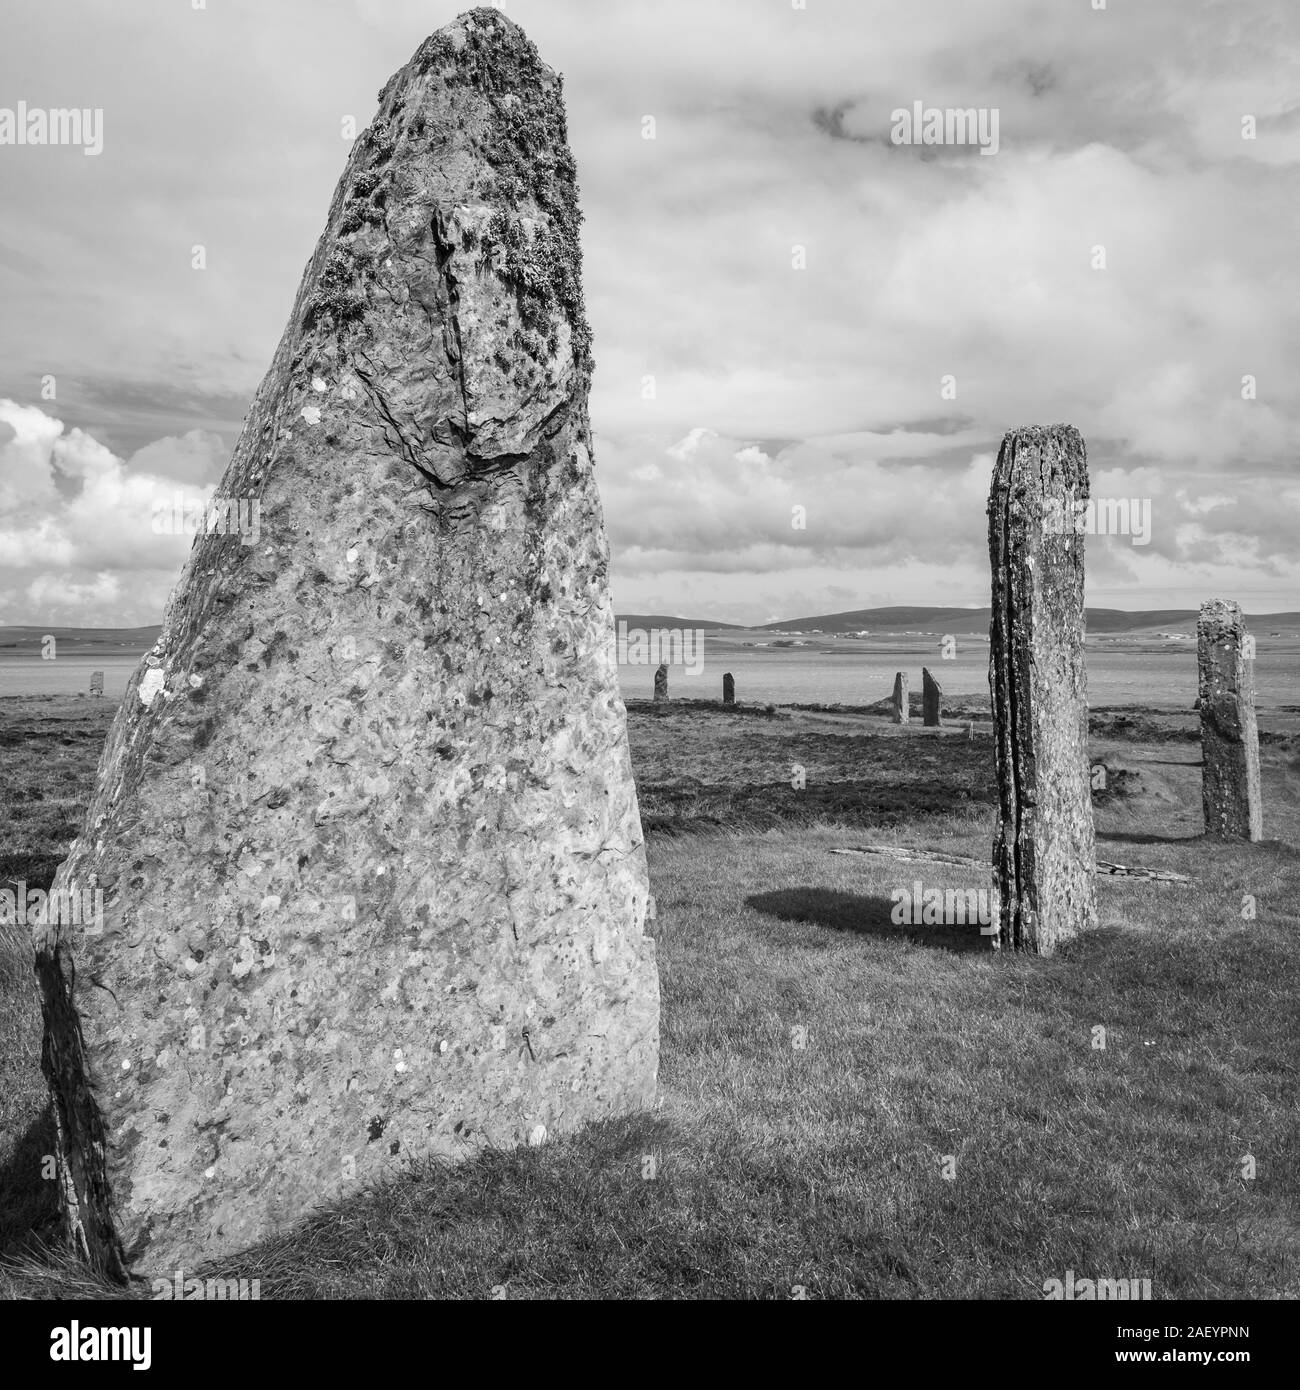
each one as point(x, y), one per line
point(782, 377)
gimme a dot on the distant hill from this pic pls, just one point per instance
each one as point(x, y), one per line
point(890, 620)
point(649, 620)
point(88, 640)
point(107, 641)
point(969, 620)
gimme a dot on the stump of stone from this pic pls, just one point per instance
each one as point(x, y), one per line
point(1044, 851)
point(931, 696)
point(373, 872)
point(728, 689)
point(1230, 790)
point(899, 708)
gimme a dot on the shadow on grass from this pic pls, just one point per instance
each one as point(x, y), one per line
point(863, 916)
point(29, 1214)
point(576, 1210)
point(32, 870)
point(1138, 837)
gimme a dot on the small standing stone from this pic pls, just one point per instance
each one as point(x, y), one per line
point(899, 698)
point(96, 682)
point(728, 689)
point(661, 681)
point(1044, 856)
point(1229, 734)
point(931, 695)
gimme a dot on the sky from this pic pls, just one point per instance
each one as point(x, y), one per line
point(810, 337)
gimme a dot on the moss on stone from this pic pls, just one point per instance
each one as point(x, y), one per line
point(531, 160)
point(336, 299)
point(526, 145)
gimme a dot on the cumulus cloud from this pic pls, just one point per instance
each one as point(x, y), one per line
point(741, 531)
point(77, 541)
point(198, 457)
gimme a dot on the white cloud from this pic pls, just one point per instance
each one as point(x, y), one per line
point(83, 552)
point(198, 457)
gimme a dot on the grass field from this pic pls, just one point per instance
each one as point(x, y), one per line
point(848, 1108)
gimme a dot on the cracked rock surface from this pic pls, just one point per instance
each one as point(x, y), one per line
point(1044, 853)
point(366, 828)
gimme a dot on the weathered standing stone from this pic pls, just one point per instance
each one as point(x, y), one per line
point(661, 681)
point(899, 699)
point(96, 682)
point(728, 689)
point(366, 827)
point(931, 695)
point(1229, 735)
point(1044, 853)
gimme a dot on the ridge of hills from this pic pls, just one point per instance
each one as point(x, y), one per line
point(21, 638)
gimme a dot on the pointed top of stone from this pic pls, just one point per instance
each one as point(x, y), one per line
point(482, 43)
point(476, 121)
point(1040, 434)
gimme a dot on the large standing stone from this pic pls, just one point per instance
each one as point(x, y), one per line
point(899, 699)
point(931, 696)
point(728, 689)
point(1229, 735)
point(1044, 853)
point(373, 867)
point(661, 681)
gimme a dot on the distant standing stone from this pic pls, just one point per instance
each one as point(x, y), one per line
point(931, 694)
point(1044, 853)
point(96, 682)
point(661, 681)
point(900, 698)
point(728, 689)
point(1229, 734)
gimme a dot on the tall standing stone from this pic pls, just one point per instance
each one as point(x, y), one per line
point(1044, 853)
point(899, 699)
point(728, 689)
point(931, 696)
point(1229, 736)
point(661, 681)
point(366, 828)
